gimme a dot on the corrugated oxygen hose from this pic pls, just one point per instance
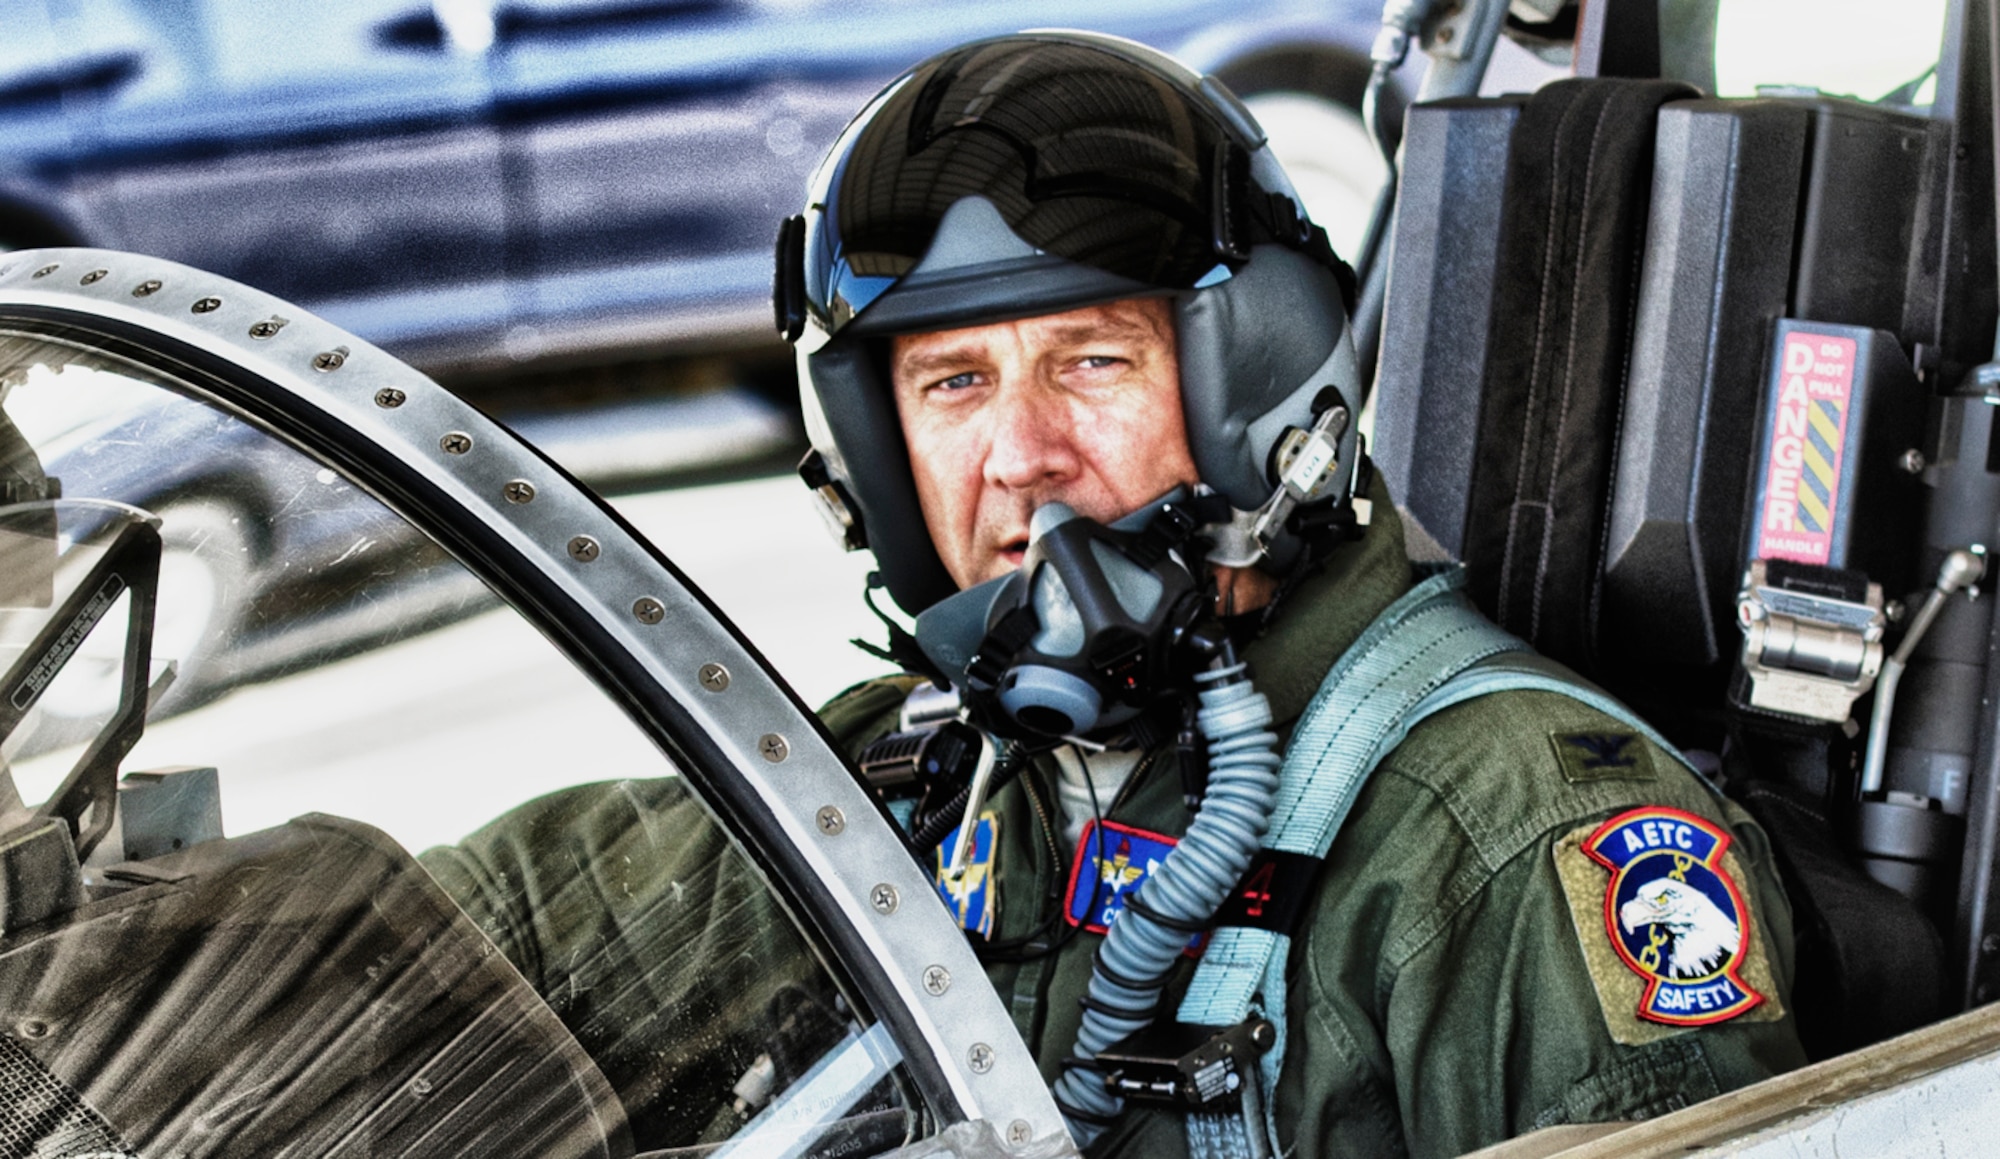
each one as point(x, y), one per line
point(1138, 951)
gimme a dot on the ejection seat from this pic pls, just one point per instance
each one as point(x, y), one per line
point(1587, 292)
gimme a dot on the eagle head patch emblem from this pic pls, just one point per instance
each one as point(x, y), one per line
point(1674, 915)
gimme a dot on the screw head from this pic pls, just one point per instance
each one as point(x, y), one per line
point(206, 305)
point(649, 610)
point(774, 747)
point(389, 398)
point(937, 980)
point(420, 1087)
point(32, 1028)
point(46, 270)
point(1913, 461)
point(583, 549)
point(267, 327)
point(519, 491)
point(980, 1057)
point(883, 898)
point(831, 821)
point(455, 443)
point(330, 359)
point(713, 677)
point(1019, 1132)
point(147, 288)
point(93, 277)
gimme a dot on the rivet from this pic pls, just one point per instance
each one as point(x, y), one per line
point(831, 820)
point(774, 747)
point(267, 327)
point(389, 398)
point(883, 898)
point(330, 359)
point(937, 980)
point(32, 1028)
point(1913, 461)
point(1445, 34)
point(45, 271)
point(981, 1058)
point(1019, 1132)
point(206, 305)
point(583, 549)
point(649, 610)
point(93, 277)
point(455, 442)
point(713, 677)
point(519, 491)
point(420, 1087)
point(147, 288)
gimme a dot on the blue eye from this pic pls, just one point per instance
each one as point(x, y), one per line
point(957, 381)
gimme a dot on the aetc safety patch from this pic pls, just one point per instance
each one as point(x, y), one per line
point(969, 893)
point(1112, 861)
point(1669, 938)
point(1674, 915)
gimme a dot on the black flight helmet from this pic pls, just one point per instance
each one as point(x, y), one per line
point(1031, 174)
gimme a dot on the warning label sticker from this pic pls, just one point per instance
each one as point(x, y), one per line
point(1808, 438)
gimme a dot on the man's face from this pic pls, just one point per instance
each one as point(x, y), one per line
point(1082, 407)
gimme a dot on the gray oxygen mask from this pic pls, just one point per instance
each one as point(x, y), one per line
point(1096, 624)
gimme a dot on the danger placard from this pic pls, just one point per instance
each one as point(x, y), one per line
point(1808, 440)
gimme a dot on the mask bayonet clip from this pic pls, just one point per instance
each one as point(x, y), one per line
point(1308, 469)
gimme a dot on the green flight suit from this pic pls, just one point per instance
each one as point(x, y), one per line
point(1445, 991)
point(1454, 985)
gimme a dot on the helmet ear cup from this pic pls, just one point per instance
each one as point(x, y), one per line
point(856, 402)
point(1255, 350)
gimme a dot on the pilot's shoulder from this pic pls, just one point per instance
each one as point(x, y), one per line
point(1512, 766)
point(866, 710)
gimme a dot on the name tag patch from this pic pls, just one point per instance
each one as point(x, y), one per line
point(1674, 915)
point(969, 894)
point(1112, 861)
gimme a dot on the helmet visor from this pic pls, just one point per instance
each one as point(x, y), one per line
point(1088, 155)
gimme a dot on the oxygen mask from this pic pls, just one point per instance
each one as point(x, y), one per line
point(1095, 625)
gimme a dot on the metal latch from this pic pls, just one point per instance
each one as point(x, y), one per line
point(1308, 462)
point(1191, 1067)
point(1812, 638)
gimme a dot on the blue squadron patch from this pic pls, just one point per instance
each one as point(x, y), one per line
point(1674, 915)
point(1107, 871)
point(969, 893)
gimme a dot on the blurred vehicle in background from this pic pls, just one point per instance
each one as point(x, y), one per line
point(478, 184)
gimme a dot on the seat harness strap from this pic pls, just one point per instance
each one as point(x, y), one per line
point(1426, 652)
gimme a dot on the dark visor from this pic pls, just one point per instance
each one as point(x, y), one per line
point(1087, 155)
